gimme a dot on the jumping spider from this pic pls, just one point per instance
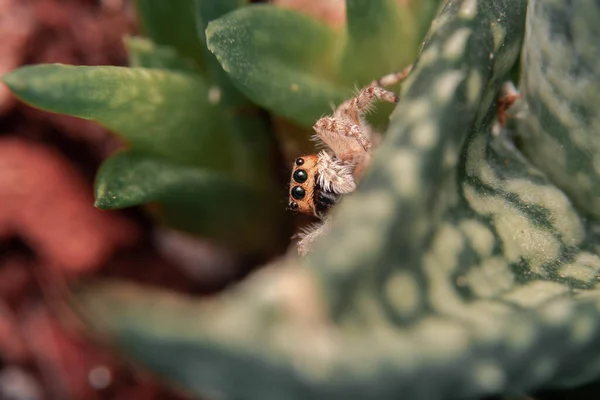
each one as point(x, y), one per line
point(319, 180)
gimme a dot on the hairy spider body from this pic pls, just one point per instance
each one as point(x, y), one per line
point(319, 180)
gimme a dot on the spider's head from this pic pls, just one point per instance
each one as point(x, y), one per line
point(302, 185)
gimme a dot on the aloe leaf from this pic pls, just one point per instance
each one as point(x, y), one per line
point(198, 201)
point(144, 53)
point(250, 125)
point(374, 30)
point(457, 270)
point(158, 112)
point(165, 331)
point(172, 25)
point(424, 12)
point(280, 59)
point(208, 10)
point(560, 71)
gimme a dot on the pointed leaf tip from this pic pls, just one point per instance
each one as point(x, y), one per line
point(157, 111)
point(12, 80)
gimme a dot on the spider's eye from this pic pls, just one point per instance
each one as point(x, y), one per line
point(300, 176)
point(293, 205)
point(299, 161)
point(298, 192)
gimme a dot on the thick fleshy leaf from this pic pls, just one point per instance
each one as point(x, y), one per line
point(172, 24)
point(198, 201)
point(208, 10)
point(144, 53)
point(280, 59)
point(296, 67)
point(423, 11)
point(251, 126)
point(374, 29)
point(158, 112)
point(561, 78)
point(457, 270)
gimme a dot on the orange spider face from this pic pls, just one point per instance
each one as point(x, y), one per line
point(302, 185)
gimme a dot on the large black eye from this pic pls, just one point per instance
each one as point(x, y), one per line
point(298, 192)
point(300, 176)
point(299, 161)
point(293, 205)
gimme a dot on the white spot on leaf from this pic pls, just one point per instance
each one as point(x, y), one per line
point(424, 136)
point(446, 86)
point(480, 236)
point(404, 168)
point(468, 9)
point(455, 45)
point(403, 292)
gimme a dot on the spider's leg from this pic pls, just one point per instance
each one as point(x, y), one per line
point(354, 108)
point(392, 79)
point(310, 235)
point(335, 133)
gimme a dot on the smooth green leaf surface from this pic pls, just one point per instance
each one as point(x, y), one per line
point(374, 30)
point(198, 201)
point(208, 10)
point(144, 53)
point(297, 67)
point(424, 11)
point(158, 112)
point(172, 23)
point(280, 59)
point(257, 147)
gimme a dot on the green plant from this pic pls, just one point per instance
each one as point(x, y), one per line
point(466, 262)
point(198, 152)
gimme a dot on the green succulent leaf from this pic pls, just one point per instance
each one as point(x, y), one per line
point(460, 268)
point(172, 24)
point(208, 10)
point(424, 12)
point(172, 342)
point(280, 59)
point(561, 122)
point(297, 67)
point(144, 53)
point(249, 124)
point(374, 30)
point(158, 112)
point(198, 201)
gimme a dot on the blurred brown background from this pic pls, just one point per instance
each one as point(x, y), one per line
point(50, 232)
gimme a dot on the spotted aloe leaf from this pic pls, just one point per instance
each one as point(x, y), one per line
point(297, 67)
point(560, 130)
point(458, 269)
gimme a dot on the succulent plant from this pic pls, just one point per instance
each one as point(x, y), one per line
point(199, 155)
point(464, 265)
